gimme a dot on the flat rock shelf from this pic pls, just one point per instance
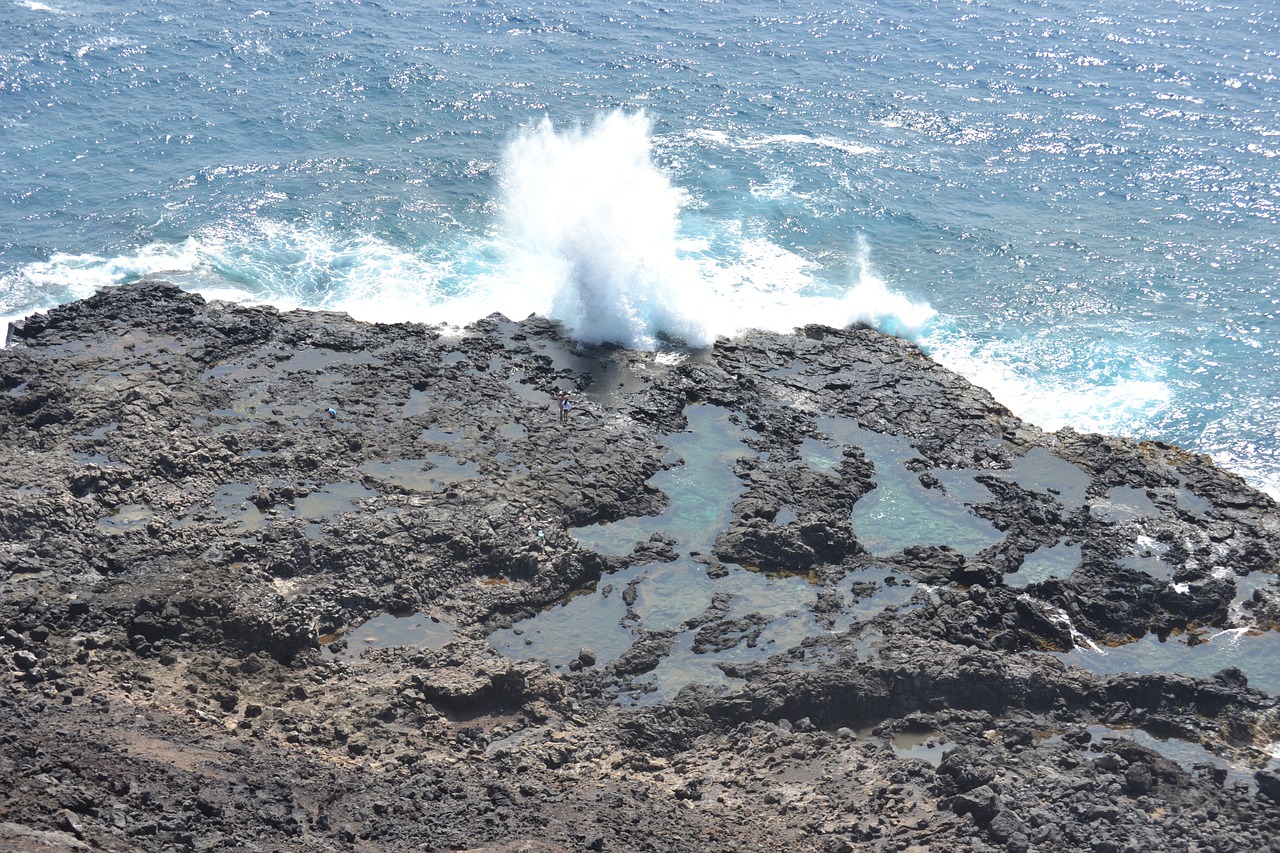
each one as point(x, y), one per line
point(287, 581)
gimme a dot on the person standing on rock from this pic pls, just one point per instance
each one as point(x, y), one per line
point(564, 404)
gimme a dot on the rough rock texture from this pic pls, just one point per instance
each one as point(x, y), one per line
point(200, 497)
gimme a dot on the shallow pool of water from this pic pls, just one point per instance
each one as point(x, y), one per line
point(701, 491)
point(1041, 470)
point(99, 459)
point(437, 434)
point(415, 630)
point(1150, 564)
point(1185, 753)
point(320, 360)
point(126, 518)
point(1043, 564)
point(927, 746)
point(242, 374)
point(1256, 655)
point(744, 617)
point(232, 501)
point(731, 617)
point(1123, 504)
point(432, 473)
point(900, 511)
point(329, 500)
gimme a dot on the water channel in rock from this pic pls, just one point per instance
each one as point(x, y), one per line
point(1205, 652)
point(1186, 754)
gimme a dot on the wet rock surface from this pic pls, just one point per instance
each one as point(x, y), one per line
point(206, 503)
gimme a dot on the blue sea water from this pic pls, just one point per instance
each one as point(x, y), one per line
point(1074, 204)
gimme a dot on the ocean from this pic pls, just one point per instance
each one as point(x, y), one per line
point(1073, 204)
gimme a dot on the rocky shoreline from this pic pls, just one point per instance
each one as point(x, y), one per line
point(207, 501)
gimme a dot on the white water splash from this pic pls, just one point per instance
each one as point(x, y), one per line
point(591, 233)
point(1060, 617)
point(593, 228)
point(1125, 403)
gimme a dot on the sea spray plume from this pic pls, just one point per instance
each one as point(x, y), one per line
point(593, 226)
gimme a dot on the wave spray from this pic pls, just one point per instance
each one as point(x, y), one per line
point(594, 236)
point(593, 225)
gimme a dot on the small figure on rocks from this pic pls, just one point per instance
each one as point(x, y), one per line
point(563, 402)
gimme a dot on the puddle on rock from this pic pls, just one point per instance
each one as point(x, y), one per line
point(532, 396)
point(1185, 753)
point(233, 502)
point(126, 518)
point(1188, 500)
point(592, 619)
point(1123, 503)
point(701, 492)
point(102, 431)
point(740, 618)
point(1043, 564)
point(330, 500)
point(433, 473)
point(513, 432)
point(900, 512)
point(927, 746)
point(818, 456)
point(416, 630)
point(921, 744)
point(439, 435)
point(419, 403)
point(867, 592)
point(1041, 470)
point(1148, 557)
point(321, 360)
point(241, 374)
point(139, 343)
point(99, 459)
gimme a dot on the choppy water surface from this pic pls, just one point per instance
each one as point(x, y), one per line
point(1072, 205)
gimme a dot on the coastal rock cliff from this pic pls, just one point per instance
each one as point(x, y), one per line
point(288, 581)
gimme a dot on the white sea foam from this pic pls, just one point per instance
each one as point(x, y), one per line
point(798, 139)
point(1060, 617)
point(592, 227)
point(66, 277)
point(83, 275)
point(591, 233)
point(1125, 403)
point(593, 230)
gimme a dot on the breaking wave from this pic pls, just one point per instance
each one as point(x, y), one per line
point(597, 231)
point(591, 232)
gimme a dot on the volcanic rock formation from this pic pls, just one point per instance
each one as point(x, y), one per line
point(208, 505)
